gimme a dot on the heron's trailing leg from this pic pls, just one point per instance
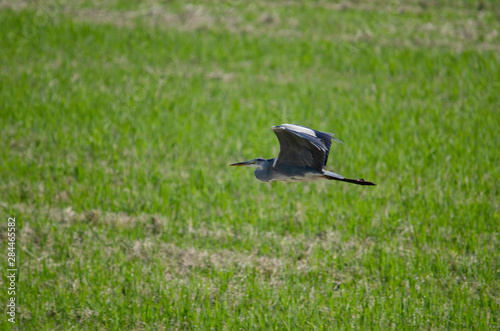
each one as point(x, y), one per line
point(360, 181)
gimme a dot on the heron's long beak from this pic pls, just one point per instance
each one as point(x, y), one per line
point(243, 164)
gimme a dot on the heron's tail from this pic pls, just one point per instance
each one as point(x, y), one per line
point(333, 176)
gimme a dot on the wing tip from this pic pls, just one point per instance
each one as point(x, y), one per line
point(337, 140)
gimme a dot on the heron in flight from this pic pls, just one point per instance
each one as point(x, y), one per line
point(302, 157)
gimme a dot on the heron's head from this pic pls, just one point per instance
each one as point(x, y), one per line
point(256, 163)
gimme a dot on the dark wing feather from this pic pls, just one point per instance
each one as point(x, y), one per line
point(302, 149)
point(327, 139)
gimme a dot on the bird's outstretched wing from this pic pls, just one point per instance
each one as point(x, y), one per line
point(301, 146)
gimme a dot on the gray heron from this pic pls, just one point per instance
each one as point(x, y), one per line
point(302, 157)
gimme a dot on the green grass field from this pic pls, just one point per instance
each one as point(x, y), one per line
point(119, 120)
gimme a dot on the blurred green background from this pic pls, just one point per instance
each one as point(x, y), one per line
point(119, 120)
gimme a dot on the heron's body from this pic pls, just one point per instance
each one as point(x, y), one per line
point(303, 156)
point(267, 173)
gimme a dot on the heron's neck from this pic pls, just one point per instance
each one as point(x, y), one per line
point(263, 172)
